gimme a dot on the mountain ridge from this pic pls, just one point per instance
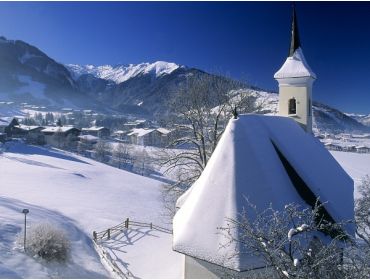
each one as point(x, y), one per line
point(29, 75)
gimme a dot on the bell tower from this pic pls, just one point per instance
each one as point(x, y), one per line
point(295, 80)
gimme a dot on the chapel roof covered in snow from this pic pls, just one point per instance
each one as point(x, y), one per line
point(295, 66)
point(252, 160)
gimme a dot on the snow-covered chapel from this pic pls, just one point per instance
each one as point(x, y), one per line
point(269, 160)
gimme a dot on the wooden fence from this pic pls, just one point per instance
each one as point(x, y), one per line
point(107, 234)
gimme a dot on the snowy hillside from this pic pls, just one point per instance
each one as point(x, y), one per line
point(364, 119)
point(356, 165)
point(80, 196)
point(325, 118)
point(121, 73)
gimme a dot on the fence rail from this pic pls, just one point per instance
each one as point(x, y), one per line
point(108, 233)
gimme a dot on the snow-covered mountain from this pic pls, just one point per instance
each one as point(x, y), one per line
point(362, 118)
point(325, 118)
point(121, 73)
point(29, 75)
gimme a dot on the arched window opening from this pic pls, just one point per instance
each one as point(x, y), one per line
point(292, 106)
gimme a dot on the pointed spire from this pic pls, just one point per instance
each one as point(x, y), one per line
point(295, 43)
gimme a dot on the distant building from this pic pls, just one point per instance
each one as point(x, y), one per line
point(149, 136)
point(87, 142)
point(350, 148)
point(121, 135)
point(136, 124)
point(101, 132)
point(333, 147)
point(10, 127)
point(60, 135)
point(363, 149)
point(32, 133)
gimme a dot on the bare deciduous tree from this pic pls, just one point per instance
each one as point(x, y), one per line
point(201, 110)
point(122, 156)
point(102, 151)
point(298, 243)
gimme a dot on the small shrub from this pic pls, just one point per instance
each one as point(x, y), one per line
point(48, 242)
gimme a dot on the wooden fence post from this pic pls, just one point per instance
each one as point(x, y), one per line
point(151, 225)
point(108, 233)
point(95, 235)
point(127, 222)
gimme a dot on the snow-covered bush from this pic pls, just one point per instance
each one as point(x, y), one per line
point(292, 241)
point(47, 242)
point(363, 211)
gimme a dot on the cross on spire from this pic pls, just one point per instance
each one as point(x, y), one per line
point(295, 43)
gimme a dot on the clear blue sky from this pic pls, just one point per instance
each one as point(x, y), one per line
point(246, 40)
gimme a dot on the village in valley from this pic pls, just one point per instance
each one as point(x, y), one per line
point(163, 171)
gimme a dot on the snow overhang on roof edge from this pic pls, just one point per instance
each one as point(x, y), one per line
point(295, 67)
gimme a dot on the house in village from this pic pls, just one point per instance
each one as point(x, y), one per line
point(350, 148)
point(86, 144)
point(60, 136)
point(260, 158)
point(142, 123)
point(149, 136)
point(362, 149)
point(333, 147)
point(32, 133)
point(101, 132)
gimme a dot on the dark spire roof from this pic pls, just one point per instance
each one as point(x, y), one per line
point(295, 43)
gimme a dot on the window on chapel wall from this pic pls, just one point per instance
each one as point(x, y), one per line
point(292, 106)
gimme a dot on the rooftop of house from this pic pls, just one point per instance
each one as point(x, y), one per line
point(163, 130)
point(28, 127)
point(89, 138)
point(53, 129)
point(139, 132)
point(94, 128)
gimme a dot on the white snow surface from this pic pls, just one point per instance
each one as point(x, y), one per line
point(295, 67)
point(121, 73)
point(80, 196)
point(53, 129)
point(245, 164)
point(355, 164)
point(31, 87)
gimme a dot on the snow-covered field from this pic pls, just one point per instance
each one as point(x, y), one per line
point(80, 196)
point(356, 165)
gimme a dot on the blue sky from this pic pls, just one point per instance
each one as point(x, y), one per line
point(245, 40)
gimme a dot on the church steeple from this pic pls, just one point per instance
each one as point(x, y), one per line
point(295, 80)
point(295, 43)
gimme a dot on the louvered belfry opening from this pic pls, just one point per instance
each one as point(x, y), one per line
point(292, 106)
